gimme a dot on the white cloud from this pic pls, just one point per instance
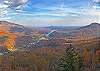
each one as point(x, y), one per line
point(97, 1)
point(13, 3)
point(3, 6)
point(7, 5)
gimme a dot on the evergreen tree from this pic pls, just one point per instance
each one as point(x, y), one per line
point(70, 61)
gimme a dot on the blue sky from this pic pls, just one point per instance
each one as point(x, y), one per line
point(50, 12)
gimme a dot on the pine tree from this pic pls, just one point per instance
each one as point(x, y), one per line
point(70, 61)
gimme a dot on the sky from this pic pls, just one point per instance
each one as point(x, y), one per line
point(50, 12)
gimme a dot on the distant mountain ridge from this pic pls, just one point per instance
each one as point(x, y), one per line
point(91, 26)
point(92, 30)
point(9, 23)
point(12, 27)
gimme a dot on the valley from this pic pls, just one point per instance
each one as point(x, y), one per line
point(32, 49)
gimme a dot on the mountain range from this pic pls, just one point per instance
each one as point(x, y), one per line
point(92, 30)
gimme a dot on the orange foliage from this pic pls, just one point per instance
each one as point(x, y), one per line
point(9, 43)
point(86, 56)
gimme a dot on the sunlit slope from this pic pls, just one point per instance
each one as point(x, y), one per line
point(11, 31)
point(9, 43)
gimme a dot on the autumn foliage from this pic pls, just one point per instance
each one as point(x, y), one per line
point(9, 43)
